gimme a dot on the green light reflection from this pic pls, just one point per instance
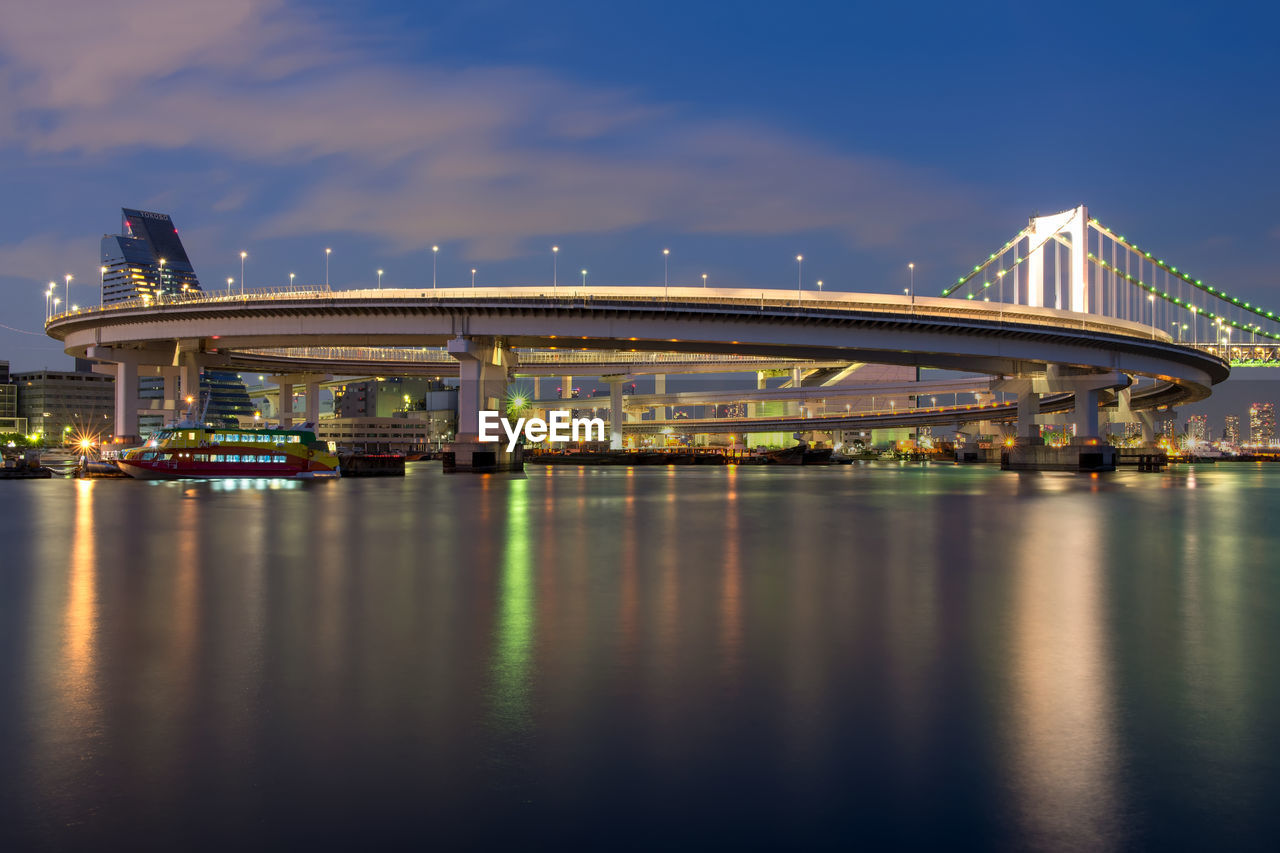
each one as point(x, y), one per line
point(516, 619)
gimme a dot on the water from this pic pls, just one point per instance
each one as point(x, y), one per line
point(645, 658)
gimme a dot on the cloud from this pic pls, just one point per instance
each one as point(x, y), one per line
point(488, 156)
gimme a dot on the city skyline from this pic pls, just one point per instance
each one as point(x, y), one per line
point(379, 132)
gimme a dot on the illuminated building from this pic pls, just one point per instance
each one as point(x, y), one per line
point(1231, 430)
point(1262, 424)
point(147, 260)
point(1198, 428)
point(59, 403)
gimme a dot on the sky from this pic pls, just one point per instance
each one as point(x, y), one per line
point(738, 135)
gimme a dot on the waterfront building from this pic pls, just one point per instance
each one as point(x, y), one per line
point(229, 403)
point(9, 420)
point(411, 432)
point(147, 260)
point(1231, 430)
point(1197, 429)
point(385, 397)
point(1262, 424)
point(60, 404)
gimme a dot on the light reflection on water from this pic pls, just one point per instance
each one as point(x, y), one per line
point(752, 656)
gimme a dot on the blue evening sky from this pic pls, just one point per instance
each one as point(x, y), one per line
point(738, 134)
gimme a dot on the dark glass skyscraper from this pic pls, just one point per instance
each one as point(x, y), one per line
point(146, 260)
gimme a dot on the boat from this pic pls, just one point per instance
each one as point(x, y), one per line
point(199, 451)
point(801, 454)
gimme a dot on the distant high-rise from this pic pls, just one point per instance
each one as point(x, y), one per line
point(1262, 424)
point(1231, 430)
point(1198, 428)
point(147, 260)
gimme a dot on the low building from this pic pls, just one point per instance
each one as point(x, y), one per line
point(9, 420)
point(423, 432)
point(62, 404)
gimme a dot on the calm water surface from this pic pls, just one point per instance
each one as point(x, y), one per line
point(907, 656)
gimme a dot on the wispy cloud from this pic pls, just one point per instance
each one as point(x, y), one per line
point(489, 156)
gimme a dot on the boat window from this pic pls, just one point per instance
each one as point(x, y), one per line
point(191, 436)
point(293, 439)
point(279, 439)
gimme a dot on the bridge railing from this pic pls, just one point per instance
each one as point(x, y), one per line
point(778, 303)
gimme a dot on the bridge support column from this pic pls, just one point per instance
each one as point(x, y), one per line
point(190, 378)
point(483, 368)
point(566, 388)
point(284, 407)
point(313, 402)
point(1028, 408)
point(615, 413)
point(126, 398)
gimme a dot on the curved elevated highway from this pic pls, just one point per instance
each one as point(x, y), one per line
point(487, 330)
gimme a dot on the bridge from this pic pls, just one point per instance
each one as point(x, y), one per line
point(1066, 307)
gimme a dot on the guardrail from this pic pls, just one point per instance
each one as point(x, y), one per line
point(651, 298)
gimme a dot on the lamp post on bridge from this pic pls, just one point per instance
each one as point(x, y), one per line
point(799, 267)
point(911, 267)
point(379, 279)
point(666, 285)
point(584, 279)
point(244, 255)
point(473, 277)
point(327, 253)
point(435, 253)
point(555, 257)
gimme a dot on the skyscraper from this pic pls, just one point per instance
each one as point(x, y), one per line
point(147, 260)
point(1231, 430)
point(1262, 424)
point(1198, 428)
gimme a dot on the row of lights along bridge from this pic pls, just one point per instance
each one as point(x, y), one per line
point(52, 302)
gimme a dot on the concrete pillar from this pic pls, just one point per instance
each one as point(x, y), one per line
point(660, 387)
point(171, 392)
point(615, 414)
point(1086, 412)
point(753, 409)
point(313, 402)
point(482, 381)
point(566, 388)
point(285, 407)
point(537, 389)
point(190, 377)
point(126, 399)
point(1028, 408)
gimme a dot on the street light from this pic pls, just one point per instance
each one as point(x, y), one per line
point(819, 285)
point(291, 275)
point(327, 253)
point(912, 267)
point(67, 291)
point(584, 279)
point(666, 254)
point(555, 256)
point(229, 281)
point(473, 276)
point(435, 253)
point(160, 292)
point(102, 285)
point(799, 266)
point(704, 279)
point(243, 255)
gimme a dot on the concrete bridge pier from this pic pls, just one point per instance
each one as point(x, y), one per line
point(484, 365)
point(126, 397)
point(284, 406)
point(615, 411)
